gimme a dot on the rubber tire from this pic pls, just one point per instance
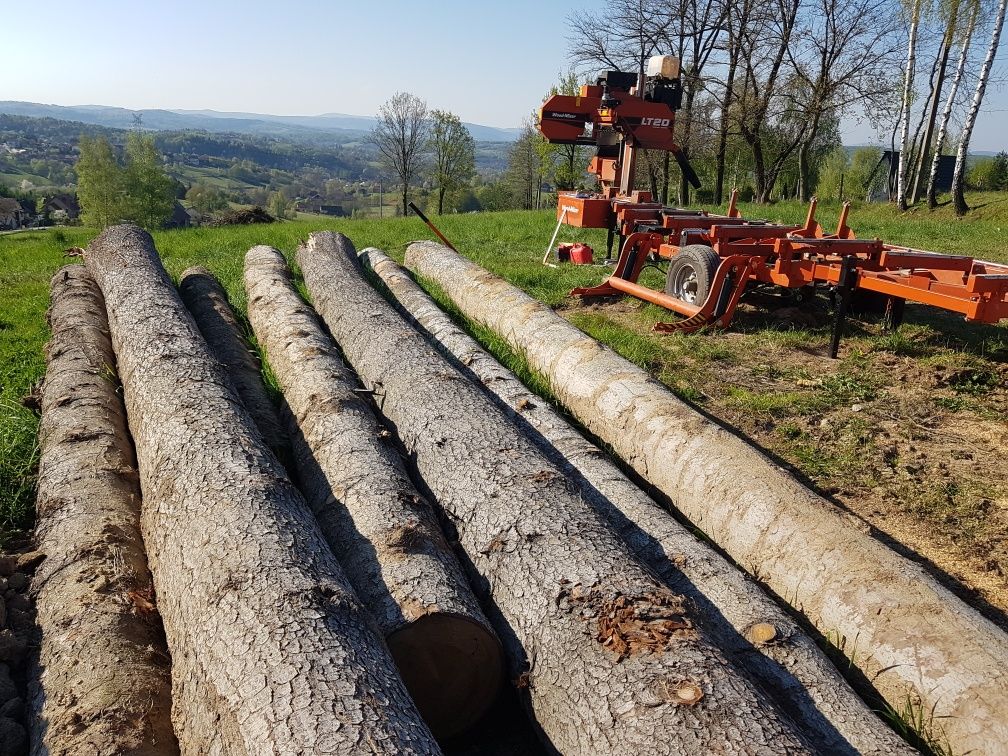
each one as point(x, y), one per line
point(703, 260)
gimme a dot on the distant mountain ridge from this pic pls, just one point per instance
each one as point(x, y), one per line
point(340, 127)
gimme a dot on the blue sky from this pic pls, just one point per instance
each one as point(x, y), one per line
point(488, 62)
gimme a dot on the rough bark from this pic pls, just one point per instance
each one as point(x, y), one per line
point(102, 683)
point(207, 301)
point(609, 658)
point(271, 650)
point(730, 606)
point(909, 633)
point(384, 533)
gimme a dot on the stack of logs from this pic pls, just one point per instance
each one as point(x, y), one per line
point(380, 552)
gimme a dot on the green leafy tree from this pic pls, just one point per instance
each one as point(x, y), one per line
point(525, 167)
point(864, 179)
point(454, 154)
point(279, 206)
point(571, 159)
point(496, 195)
point(101, 183)
point(150, 191)
point(999, 171)
point(832, 174)
point(206, 199)
point(983, 175)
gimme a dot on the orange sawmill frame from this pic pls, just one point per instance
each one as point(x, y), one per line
point(793, 257)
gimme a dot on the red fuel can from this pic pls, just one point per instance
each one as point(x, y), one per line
point(577, 253)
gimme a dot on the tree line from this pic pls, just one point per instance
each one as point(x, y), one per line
point(416, 142)
point(767, 84)
point(136, 188)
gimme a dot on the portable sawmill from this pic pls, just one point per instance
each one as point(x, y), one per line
point(711, 259)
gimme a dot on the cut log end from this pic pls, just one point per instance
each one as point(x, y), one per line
point(451, 666)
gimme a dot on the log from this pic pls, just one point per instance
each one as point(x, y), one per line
point(738, 616)
point(609, 660)
point(102, 681)
point(910, 635)
point(271, 650)
point(384, 533)
point(207, 301)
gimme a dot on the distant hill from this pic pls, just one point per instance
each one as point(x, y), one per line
point(337, 128)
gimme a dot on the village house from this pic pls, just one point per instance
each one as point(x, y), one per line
point(315, 203)
point(13, 214)
point(61, 208)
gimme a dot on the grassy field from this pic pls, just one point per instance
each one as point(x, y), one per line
point(907, 429)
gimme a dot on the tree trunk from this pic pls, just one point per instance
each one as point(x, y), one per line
point(804, 191)
point(103, 683)
point(730, 607)
point(608, 657)
point(652, 173)
point(912, 635)
point(723, 126)
point(932, 115)
point(959, 177)
point(666, 165)
point(908, 77)
point(684, 187)
point(207, 301)
point(384, 533)
point(271, 651)
point(759, 173)
point(932, 188)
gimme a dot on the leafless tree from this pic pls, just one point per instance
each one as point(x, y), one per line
point(950, 11)
point(842, 54)
point(732, 49)
point(932, 191)
point(401, 136)
point(699, 26)
point(959, 177)
point(908, 77)
point(763, 105)
point(621, 38)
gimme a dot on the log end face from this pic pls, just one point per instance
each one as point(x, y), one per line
point(198, 278)
point(452, 667)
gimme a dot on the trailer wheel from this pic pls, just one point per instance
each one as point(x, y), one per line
point(690, 273)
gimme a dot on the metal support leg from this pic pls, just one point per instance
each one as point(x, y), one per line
point(845, 289)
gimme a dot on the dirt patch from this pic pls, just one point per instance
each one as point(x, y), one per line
point(908, 430)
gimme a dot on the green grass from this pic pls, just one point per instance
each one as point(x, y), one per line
point(511, 245)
